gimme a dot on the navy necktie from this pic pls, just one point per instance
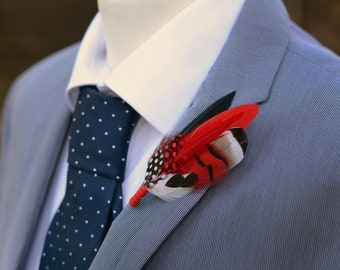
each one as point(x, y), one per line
point(99, 138)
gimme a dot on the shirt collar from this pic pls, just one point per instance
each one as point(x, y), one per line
point(161, 77)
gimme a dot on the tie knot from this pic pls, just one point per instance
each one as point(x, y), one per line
point(100, 133)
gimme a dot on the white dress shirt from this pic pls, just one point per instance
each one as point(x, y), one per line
point(159, 80)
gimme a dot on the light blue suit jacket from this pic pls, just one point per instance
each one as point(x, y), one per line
point(279, 209)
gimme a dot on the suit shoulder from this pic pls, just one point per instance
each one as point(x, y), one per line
point(54, 69)
point(306, 47)
point(40, 89)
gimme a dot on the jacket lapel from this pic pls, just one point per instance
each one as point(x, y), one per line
point(247, 64)
point(28, 187)
point(249, 60)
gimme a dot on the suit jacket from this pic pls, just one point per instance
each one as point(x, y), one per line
point(278, 209)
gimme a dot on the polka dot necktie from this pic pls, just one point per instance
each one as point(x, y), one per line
point(99, 139)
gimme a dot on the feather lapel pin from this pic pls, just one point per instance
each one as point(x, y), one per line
point(200, 154)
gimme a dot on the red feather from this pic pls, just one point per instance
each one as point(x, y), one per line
point(195, 143)
point(184, 162)
point(240, 116)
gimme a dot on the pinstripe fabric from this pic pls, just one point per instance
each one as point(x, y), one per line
point(277, 210)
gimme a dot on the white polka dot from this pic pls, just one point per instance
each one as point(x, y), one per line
point(93, 107)
point(80, 244)
point(120, 129)
point(95, 250)
point(72, 217)
point(102, 226)
point(113, 115)
point(64, 226)
point(95, 175)
point(108, 201)
point(79, 102)
point(106, 133)
point(76, 231)
point(87, 96)
point(77, 130)
point(114, 211)
point(105, 102)
point(98, 212)
point(73, 150)
point(79, 172)
point(76, 162)
point(74, 194)
point(84, 185)
point(83, 113)
point(127, 111)
point(127, 142)
point(123, 159)
point(92, 236)
point(87, 156)
point(108, 164)
point(51, 245)
point(82, 144)
point(49, 232)
point(74, 119)
point(100, 120)
point(86, 222)
point(70, 253)
point(117, 177)
point(113, 147)
point(94, 169)
point(60, 249)
point(58, 235)
point(93, 138)
point(87, 125)
point(75, 268)
point(100, 151)
point(80, 208)
point(53, 259)
point(102, 188)
point(91, 198)
point(120, 197)
point(44, 254)
point(84, 259)
point(67, 204)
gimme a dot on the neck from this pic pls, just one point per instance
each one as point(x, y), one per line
point(128, 23)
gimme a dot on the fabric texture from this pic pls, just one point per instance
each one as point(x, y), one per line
point(99, 138)
point(278, 209)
